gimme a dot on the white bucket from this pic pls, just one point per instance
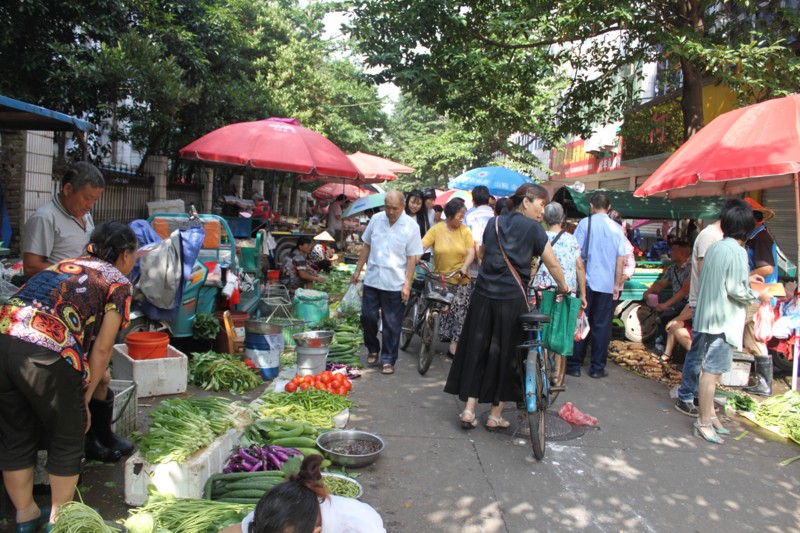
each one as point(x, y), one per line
point(311, 361)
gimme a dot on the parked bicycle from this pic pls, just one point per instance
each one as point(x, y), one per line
point(431, 296)
point(541, 380)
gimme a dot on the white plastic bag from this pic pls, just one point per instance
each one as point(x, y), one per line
point(763, 322)
point(351, 302)
point(582, 326)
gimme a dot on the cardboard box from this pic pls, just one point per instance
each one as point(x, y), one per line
point(184, 480)
point(153, 377)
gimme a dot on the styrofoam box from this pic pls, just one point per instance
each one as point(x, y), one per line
point(183, 480)
point(153, 377)
point(739, 374)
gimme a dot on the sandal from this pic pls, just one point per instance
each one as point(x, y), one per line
point(387, 369)
point(499, 423)
point(719, 430)
point(372, 359)
point(468, 424)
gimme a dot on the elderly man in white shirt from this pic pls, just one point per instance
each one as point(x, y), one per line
point(391, 245)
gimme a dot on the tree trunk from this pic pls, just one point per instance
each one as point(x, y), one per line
point(692, 100)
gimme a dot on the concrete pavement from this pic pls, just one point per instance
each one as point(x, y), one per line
point(642, 470)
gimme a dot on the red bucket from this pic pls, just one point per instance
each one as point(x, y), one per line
point(273, 274)
point(147, 345)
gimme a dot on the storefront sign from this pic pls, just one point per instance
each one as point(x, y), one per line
point(572, 160)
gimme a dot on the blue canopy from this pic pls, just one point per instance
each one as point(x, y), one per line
point(16, 115)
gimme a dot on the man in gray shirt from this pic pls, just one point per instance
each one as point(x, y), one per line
point(60, 229)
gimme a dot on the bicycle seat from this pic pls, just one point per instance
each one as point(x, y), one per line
point(532, 317)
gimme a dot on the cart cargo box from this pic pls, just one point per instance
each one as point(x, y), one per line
point(153, 377)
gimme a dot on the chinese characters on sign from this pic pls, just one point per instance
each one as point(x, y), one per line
point(572, 160)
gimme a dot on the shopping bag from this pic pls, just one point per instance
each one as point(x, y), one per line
point(573, 415)
point(581, 326)
point(764, 318)
point(351, 301)
point(559, 334)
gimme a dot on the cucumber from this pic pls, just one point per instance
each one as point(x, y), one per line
point(309, 451)
point(242, 475)
point(254, 484)
point(245, 493)
point(325, 464)
point(295, 442)
point(245, 501)
point(286, 433)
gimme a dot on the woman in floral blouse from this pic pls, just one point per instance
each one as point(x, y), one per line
point(57, 333)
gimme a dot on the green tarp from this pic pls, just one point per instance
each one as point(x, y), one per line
point(576, 205)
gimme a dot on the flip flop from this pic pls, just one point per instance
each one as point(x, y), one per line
point(372, 359)
point(387, 369)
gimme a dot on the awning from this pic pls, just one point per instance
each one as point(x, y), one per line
point(576, 205)
point(16, 115)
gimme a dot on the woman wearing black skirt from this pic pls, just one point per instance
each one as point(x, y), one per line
point(486, 367)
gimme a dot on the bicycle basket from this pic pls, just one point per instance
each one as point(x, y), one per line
point(438, 289)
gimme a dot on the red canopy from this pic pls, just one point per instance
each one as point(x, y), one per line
point(274, 143)
point(329, 191)
point(376, 169)
point(752, 148)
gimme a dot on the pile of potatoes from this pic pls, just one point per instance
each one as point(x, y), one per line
point(636, 357)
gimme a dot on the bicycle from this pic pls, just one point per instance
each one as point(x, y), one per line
point(539, 365)
point(422, 316)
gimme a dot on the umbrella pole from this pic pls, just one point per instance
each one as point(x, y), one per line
point(797, 227)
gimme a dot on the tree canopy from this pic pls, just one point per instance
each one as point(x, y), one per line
point(561, 67)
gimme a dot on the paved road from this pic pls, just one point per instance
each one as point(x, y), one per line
point(641, 471)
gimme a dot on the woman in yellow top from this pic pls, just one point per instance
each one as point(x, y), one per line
point(453, 249)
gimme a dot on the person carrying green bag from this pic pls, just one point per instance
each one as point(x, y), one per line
point(558, 335)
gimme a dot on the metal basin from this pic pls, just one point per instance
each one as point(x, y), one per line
point(331, 443)
point(313, 339)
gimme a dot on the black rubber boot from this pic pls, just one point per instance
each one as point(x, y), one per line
point(763, 375)
point(102, 412)
point(97, 451)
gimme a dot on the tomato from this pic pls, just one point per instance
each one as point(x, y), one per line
point(290, 387)
point(341, 391)
point(303, 385)
point(331, 388)
point(318, 385)
point(297, 379)
point(325, 377)
point(308, 379)
point(337, 378)
point(347, 385)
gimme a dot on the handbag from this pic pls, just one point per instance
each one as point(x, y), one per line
point(559, 334)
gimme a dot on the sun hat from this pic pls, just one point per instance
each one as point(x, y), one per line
point(324, 236)
point(767, 212)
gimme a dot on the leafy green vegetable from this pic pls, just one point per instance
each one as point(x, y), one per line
point(222, 372)
point(205, 327)
point(782, 411)
point(742, 402)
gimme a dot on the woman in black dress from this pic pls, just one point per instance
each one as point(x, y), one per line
point(486, 367)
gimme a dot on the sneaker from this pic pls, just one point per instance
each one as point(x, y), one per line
point(687, 408)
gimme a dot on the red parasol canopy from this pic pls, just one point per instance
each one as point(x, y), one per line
point(446, 196)
point(752, 148)
point(274, 143)
point(376, 169)
point(329, 191)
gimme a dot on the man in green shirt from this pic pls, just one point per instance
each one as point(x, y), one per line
point(723, 296)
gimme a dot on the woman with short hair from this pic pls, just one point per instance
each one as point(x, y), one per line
point(295, 271)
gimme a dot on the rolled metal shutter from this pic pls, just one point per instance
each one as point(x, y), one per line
point(783, 226)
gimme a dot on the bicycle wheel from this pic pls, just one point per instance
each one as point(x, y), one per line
point(428, 335)
point(410, 319)
point(556, 371)
point(536, 418)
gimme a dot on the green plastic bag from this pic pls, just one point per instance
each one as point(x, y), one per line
point(559, 334)
point(311, 306)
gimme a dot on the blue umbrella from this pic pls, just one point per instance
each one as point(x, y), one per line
point(372, 201)
point(500, 180)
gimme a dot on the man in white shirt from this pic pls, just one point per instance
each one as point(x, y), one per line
point(391, 245)
point(476, 220)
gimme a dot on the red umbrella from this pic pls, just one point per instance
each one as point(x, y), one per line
point(329, 191)
point(752, 148)
point(446, 196)
point(274, 143)
point(376, 169)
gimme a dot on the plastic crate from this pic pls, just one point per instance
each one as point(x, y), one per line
point(153, 377)
point(126, 405)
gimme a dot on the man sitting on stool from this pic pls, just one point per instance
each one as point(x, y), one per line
point(676, 277)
